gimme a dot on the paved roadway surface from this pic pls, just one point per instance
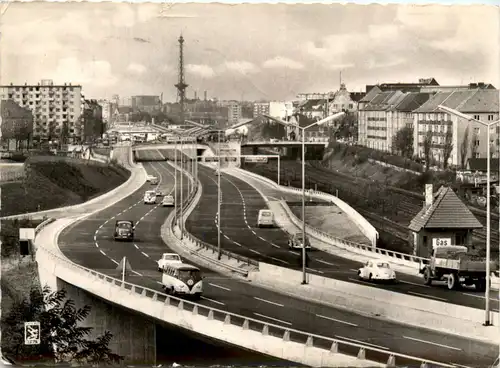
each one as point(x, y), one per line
point(240, 207)
point(78, 244)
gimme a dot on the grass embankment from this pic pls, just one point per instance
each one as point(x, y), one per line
point(51, 182)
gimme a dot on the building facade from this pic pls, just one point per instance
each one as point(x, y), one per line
point(51, 106)
point(146, 103)
point(107, 110)
point(233, 112)
point(343, 100)
point(16, 122)
point(280, 109)
point(382, 115)
point(468, 138)
point(260, 108)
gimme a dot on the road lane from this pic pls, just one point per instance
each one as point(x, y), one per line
point(240, 297)
point(269, 245)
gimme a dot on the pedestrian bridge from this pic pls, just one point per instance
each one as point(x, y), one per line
point(269, 143)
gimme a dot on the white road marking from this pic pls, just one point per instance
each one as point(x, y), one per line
point(261, 238)
point(114, 261)
point(337, 320)
point(297, 254)
point(136, 247)
point(225, 236)
point(220, 287)
point(267, 301)
point(362, 342)
point(313, 270)
point(137, 273)
point(460, 365)
point(414, 283)
point(431, 343)
point(100, 250)
point(145, 255)
point(95, 237)
point(100, 227)
point(354, 270)
point(325, 262)
point(211, 300)
point(273, 319)
point(97, 244)
point(280, 260)
point(251, 250)
point(426, 296)
point(238, 244)
point(254, 232)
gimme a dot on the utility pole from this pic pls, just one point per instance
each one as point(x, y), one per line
point(181, 93)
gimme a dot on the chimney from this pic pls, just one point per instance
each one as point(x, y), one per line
point(205, 95)
point(429, 195)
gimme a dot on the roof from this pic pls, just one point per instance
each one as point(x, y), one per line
point(384, 101)
point(481, 164)
point(183, 266)
point(467, 101)
point(447, 212)
point(357, 96)
point(411, 101)
point(372, 91)
point(312, 104)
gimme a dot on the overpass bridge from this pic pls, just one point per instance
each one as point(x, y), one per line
point(291, 150)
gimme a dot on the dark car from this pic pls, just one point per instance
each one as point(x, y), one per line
point(124, 230)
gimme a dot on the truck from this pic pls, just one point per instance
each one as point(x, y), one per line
point(455, 265)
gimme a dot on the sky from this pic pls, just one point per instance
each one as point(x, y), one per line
point(248, 51)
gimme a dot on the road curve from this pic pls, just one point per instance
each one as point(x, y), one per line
point(240, 206)
point(78, 243)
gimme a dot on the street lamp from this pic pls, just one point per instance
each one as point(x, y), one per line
point(328, 119)
point(487, 320)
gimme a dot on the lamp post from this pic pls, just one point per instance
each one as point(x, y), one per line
point(487, 317)
point(219, 251)
point(303, 131)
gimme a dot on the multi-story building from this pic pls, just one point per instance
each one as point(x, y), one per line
point(233, 112)
point(107, 109)
point(51, 105)
point(16, 122)
point(468, 138)
point(343, 100)
point(260, 108)
point(92, 122)
point(146, 103)
point(384, 114)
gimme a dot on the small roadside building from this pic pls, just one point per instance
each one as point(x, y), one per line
point(443, 220)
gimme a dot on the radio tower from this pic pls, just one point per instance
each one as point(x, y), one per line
point(181, 85)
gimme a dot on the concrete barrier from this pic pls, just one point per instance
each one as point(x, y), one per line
point(366, 228)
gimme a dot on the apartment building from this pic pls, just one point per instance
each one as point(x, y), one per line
point(146, 103)
point(233, 112)
point(260, 108)
point(51, 105)
point(469, 138)
point(107, 109)
point(383, 114)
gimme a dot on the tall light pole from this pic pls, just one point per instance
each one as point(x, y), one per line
point(219, 251)
point(487, 317)
point(328, 119)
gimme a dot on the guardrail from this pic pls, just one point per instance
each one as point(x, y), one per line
point(346, 244)
point(12, 172)
point(43, 225)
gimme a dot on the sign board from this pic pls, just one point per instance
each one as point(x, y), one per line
point(32, 333)
point(256, 159)
point(441, 242)
point(26, 233)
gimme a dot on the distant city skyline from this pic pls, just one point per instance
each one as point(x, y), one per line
point(246, 52)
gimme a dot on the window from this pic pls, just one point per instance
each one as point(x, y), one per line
point(476, 131)
point(476, 117)
point(490, 117)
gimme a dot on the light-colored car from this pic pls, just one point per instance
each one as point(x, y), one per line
point(377, 270)
point(265, 218)
point(168, 258)
point(168, 201)
point(150, 197)
point(153, 180)
point(295, 241)
point(149, 177)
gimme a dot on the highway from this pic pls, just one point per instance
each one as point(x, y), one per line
point(240, 206)
point(78, 243)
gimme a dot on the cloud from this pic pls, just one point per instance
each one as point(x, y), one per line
point(282, 62)
point(243, 67)
point(98, 72)
point(200, 70)
point(136, 68)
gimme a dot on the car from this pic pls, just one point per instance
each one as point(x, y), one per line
point(377, 270)
point(124, 230)
point(150, 197)
point(153, 180)
point(265, 218)
point(295, 242)
point(158, 192)
point(168, 201)
point(149, 177)
point(167, 259)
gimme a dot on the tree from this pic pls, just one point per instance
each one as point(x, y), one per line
point(403, 142)
point(61, 339)
point(447, 147)
point(464, 148)
point(427, 149)
point(64, 133)
point(473, 146)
